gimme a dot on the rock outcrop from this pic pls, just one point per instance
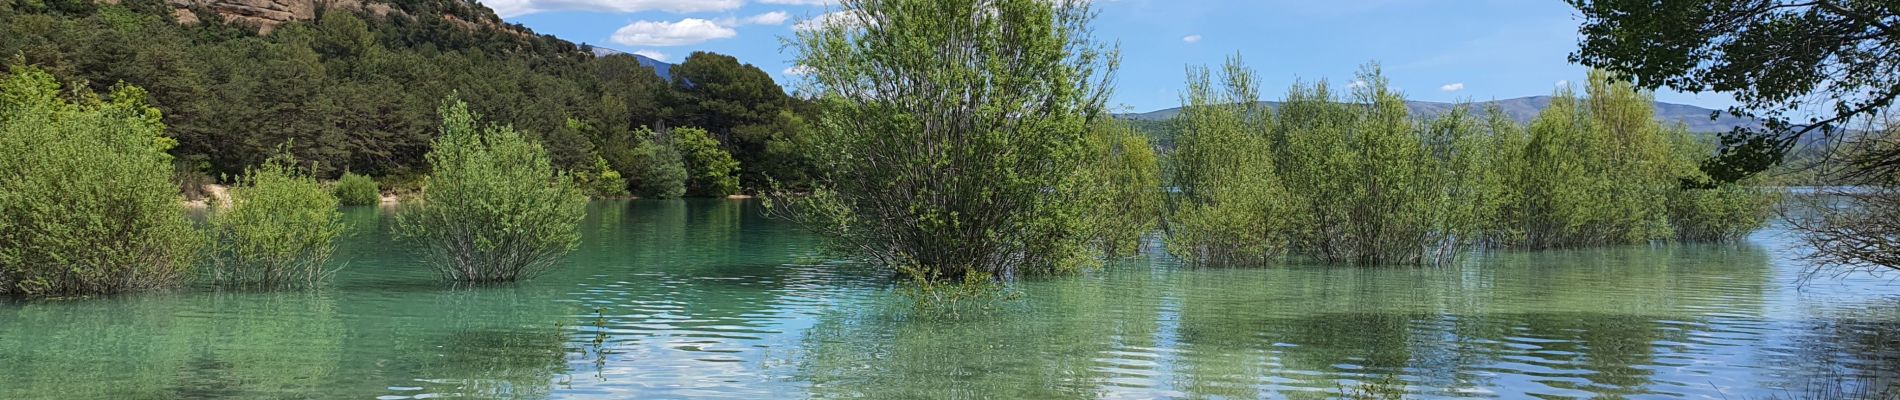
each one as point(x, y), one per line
point(268, 14)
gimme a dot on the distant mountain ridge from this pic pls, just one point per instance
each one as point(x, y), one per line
point(1523, 109)
point(659, 67)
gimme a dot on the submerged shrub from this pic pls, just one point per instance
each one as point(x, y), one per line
point(1340, 181)
point(1724, 213)
point(970, 170)
point(712, 170)
point(1122, 180)
point(87, 205)
point(1597, 170)
point(1372, 184)
point(357, 190)
point(279, 230)
point(1232, 208)
point(494, 209)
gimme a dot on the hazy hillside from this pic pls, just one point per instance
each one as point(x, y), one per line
point(1523, 109)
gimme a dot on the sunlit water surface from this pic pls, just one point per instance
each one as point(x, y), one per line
point(711, 299)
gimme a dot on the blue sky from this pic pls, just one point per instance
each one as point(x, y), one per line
point(1435, 50)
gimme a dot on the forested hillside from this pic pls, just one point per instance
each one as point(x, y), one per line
point(355, 86)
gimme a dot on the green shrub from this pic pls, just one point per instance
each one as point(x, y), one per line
point(87, 205)
point(1703, 210)
point(971, 170)
point(602, 181)
point(712, 169)
point(1372, 184)
point(1339, 180)
point(1724, 213)
point(1597, 171)
point(494, 209)
point(662, 169)
point(1232, 208)
point(279, 230)
point(1122, 179)
point(357, 190)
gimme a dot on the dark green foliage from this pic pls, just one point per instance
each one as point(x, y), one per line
point(279, 230)
point(357, 190)
point(86, 203)
point(356, 91)
point(971, 174)
point(1777, 57)
point(661, 170)
point(494, 208)
point(741, 107)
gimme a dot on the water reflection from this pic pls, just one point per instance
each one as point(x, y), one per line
point(709, 299)
point(1618, 322)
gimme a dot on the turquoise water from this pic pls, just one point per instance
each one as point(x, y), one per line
point(670, 299)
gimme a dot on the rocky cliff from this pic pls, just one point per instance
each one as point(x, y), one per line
point(268, 14)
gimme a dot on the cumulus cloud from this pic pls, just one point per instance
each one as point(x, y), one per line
point(771, 18)
point(1356, 83)
point(1563, 82)
point(1191, 38)
point(1453, 87)
point(797, 70)
point(514, 8)
point(820, 21)
point(656, 56)
point(685, 32)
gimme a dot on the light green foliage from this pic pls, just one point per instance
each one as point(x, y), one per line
point(1232, 208)
point(279, 230)
point(971, 168)
point(86, 201)
point(1338, 180)
point(1706, 210)
point(1728, 212)
point(1122, 180)
point(1372, 184)
point(1597, 171)
point(712, 170)
point(494, 209)
point(357, 190)
point(662, 171)
point(601, 180)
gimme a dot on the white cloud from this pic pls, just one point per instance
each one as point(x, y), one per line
point(1453, 87)
point(1356, 83)
point(802, 2)
point(1563, 82)
point(771, 18)
point(797, 70)
point(1191, 39)
point(657, 56)
point(685, 32)
point(514, 8)
point(839, 17)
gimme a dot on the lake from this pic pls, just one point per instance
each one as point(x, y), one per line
point(671, 299)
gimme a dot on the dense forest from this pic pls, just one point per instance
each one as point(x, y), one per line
point(357, 90)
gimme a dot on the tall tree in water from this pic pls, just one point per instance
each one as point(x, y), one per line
point(1782, 59)
point(952, 133)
